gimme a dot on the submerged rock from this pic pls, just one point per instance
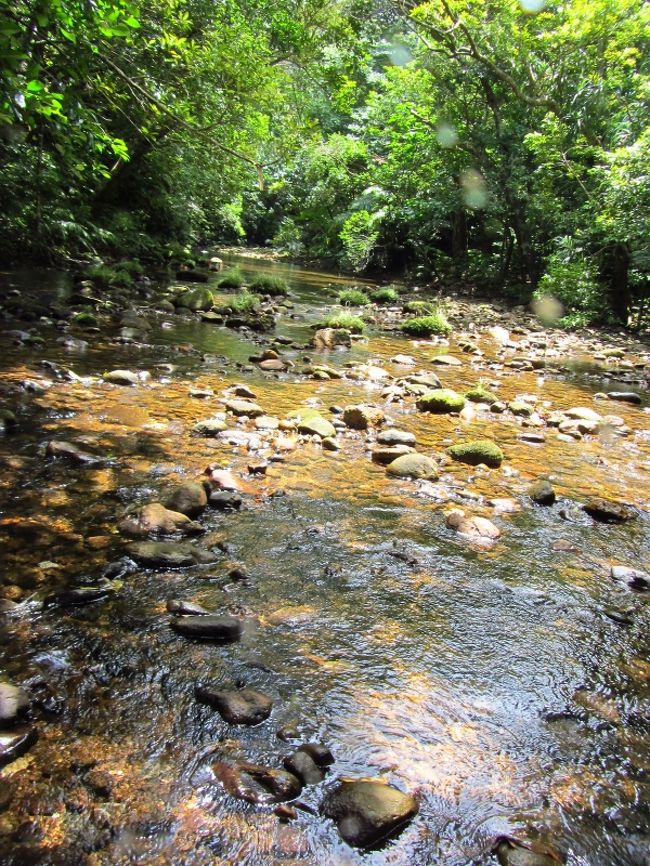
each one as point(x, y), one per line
point(73, 453)
point(368, 813)
point(413, 466)
point(209, 627)
point(169, 554)
point(513, 852)
point(257, 784)
point(476, 452)
point(237, 706)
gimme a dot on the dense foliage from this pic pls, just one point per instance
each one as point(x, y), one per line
point(495, 143)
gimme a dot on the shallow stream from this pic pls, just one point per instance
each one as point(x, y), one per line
point(507, 687)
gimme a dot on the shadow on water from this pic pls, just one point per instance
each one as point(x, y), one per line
point(506, 686)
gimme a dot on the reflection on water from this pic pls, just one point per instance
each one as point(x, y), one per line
point(490, 682)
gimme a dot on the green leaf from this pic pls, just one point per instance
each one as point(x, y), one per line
point(132, 22)
point(35, 86)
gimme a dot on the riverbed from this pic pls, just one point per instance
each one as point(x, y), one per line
point(504, 685)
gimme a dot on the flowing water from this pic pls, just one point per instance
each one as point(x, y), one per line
point(493, 683)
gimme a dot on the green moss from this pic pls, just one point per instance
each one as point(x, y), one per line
point(478, 451)
point(441, 401)
point(345, 321)
point(84, 320)
point(353, 298)
point(479, 394)
point(269, 285)
point(231, 279)
point(420, 308)
point(196, 299)
point(425, 326)
point(105, 276)
point(518, 407)
point(387, 295)
point(243, 302)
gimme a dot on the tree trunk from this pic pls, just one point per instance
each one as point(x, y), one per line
point(617, 268)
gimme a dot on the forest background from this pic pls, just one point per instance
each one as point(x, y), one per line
point(496, 144)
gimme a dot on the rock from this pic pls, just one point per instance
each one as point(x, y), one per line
point(273, 365)
point(257, 784)
point(368, 813)
point(8, 421)
point(392, 436)
point(446, 361)
point(237, 707)
point(441, 401)
point(362, 417)
point(513, 852)
point(476, 452)
point(191, 276)
point(285, 812)
point(125, 377)
point(384, 454)
point(413, 466)
point(267, 422)
point(210, 427)
point(532, 437)
point(428, 380)
point(15, 743)
point(609, 512)
point(403, 360)
point(473, 527)
point(304, 767)
point(328, 338)
point(241, 408)
point(479, 394)
point(155, 519)
point(625, 397)
point(79, 596)
point(634, 578)
point(319, 753)
point(189, 498)
point(542, 492)
point(179, 607)
point(225, 500)
point(169, 554)
point(223, 479)
point(197, 299)
point(582, 413)
point(71, 452)
point(13, 703)
point(518, 407)
point(211, 626)
point(315, 424)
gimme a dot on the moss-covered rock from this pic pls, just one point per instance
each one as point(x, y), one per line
point(518, 407)
point(479, 394)
point(196, 299)
point(441, 401)
point(479, 451)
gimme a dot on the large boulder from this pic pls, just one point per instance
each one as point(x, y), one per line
point(368, 813)
point(441, 401)
point(476, 452)
point(413, 466)
point(237, 706)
